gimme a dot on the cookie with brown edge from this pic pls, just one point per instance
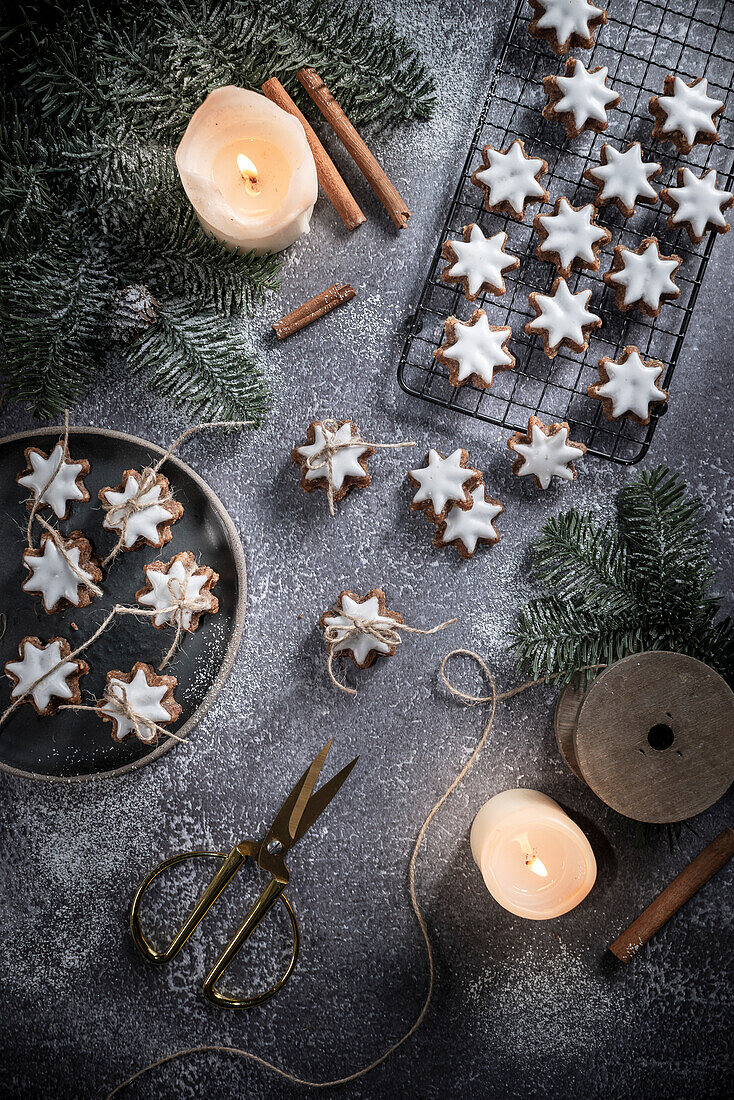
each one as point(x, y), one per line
point(474, 350)
point(467, 529)
point(147, 699)
point(477, 263)
point(570, 237)
point(562, 318)
point(46, 676)
point(580, 98)
point(180, 579)
point(347, 468)
point(643, 278)
point(566, 24)
point(544, 452)
point(347, 613)
point(627, 386)
point(510, 179)
point(442, 483)
point(54, 479)
point(685, 115)
point(51, 576)
point(697, 204)
point(147, 523)
point(622, 177)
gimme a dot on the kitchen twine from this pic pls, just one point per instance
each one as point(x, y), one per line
point(148, 479)
point(76, 570)
point(324, 459)
point(492, 700)
point(122, 708)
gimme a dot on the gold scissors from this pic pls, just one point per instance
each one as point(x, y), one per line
point(297, 814)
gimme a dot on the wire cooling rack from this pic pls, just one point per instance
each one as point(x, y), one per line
point(641, 42)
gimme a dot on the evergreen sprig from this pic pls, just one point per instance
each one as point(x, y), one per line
point(96, 97)
point(613, 589)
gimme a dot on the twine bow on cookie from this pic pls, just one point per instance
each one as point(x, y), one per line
point(116, 701)
point(182, 604)
point(78, 572)
point(387, 633)
point(323, 459)
point(39, 495)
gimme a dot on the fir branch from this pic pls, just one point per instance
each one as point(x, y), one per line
point(51, 340)
point(584, 564)
point(195, 360)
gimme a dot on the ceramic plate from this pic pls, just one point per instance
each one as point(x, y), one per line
point(69, 745)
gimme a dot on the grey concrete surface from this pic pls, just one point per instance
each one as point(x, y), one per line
point(521, 1009)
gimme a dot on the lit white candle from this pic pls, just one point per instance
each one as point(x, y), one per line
point(247, 168)
point(534, 859)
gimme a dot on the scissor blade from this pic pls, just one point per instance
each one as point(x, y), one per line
point(319, 801)
point(280, 830)
point(307, 786)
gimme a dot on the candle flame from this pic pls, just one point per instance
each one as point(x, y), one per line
point(537, 866)
point(248, 171)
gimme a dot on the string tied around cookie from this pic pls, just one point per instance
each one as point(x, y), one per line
point(119, 705)
point(124, 512)
point(76, 570)
point(182, 604)
point(324, 458)
point(388, 634)
point(38, 498)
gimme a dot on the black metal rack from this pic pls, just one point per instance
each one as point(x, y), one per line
point(641, 42)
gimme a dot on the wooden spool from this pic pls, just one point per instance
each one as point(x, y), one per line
point(653, 736)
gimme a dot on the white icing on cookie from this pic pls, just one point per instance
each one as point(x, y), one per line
point(547, 456)
point(625, 176)
point(478, 349)
point(143, 521)
point(361, 645)
point(562, 315)
point(567, 17)
point(645, 276)
point(175, 584)
point(442, 480)
point(510, 177)
point(698, 202)
point(345, 461)
point(474, 523)
point(585, 95)
point(62, 489)
point(144, 700)
point(571, 233)
point(631, 386)
point(52, 575)
point(481, 259)
point(689, 110)
point(37, 663)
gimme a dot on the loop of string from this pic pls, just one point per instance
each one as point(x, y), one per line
point(386, 633)
point(124, 512)
point(38, 497)
point(76, 570)
point(324, 459)
point(472, 700)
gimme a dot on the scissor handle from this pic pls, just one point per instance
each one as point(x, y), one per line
point(232, 863)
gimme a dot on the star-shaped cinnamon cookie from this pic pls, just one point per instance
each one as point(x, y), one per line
point(545, 452)
point(61, 570)
point(474, 350)
point(137, 702)
point(698, 204)
point(623, 178)
point(443, 482)
point(570, 237)
point(46, 675)
point(686, 115)
point(510, 179)
point(352, 627)
point(333, 454)
point(55, 480)
point(580, 98)
point(642, 278)
point(466, 528)
point(179, 590)
point(563, 318)
point(628, 386)
point(477, 263)
point(140, 509)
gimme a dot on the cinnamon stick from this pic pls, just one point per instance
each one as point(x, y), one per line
point(335, 188)
point(681, 889)
point(386, 192)
point(313, 309)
